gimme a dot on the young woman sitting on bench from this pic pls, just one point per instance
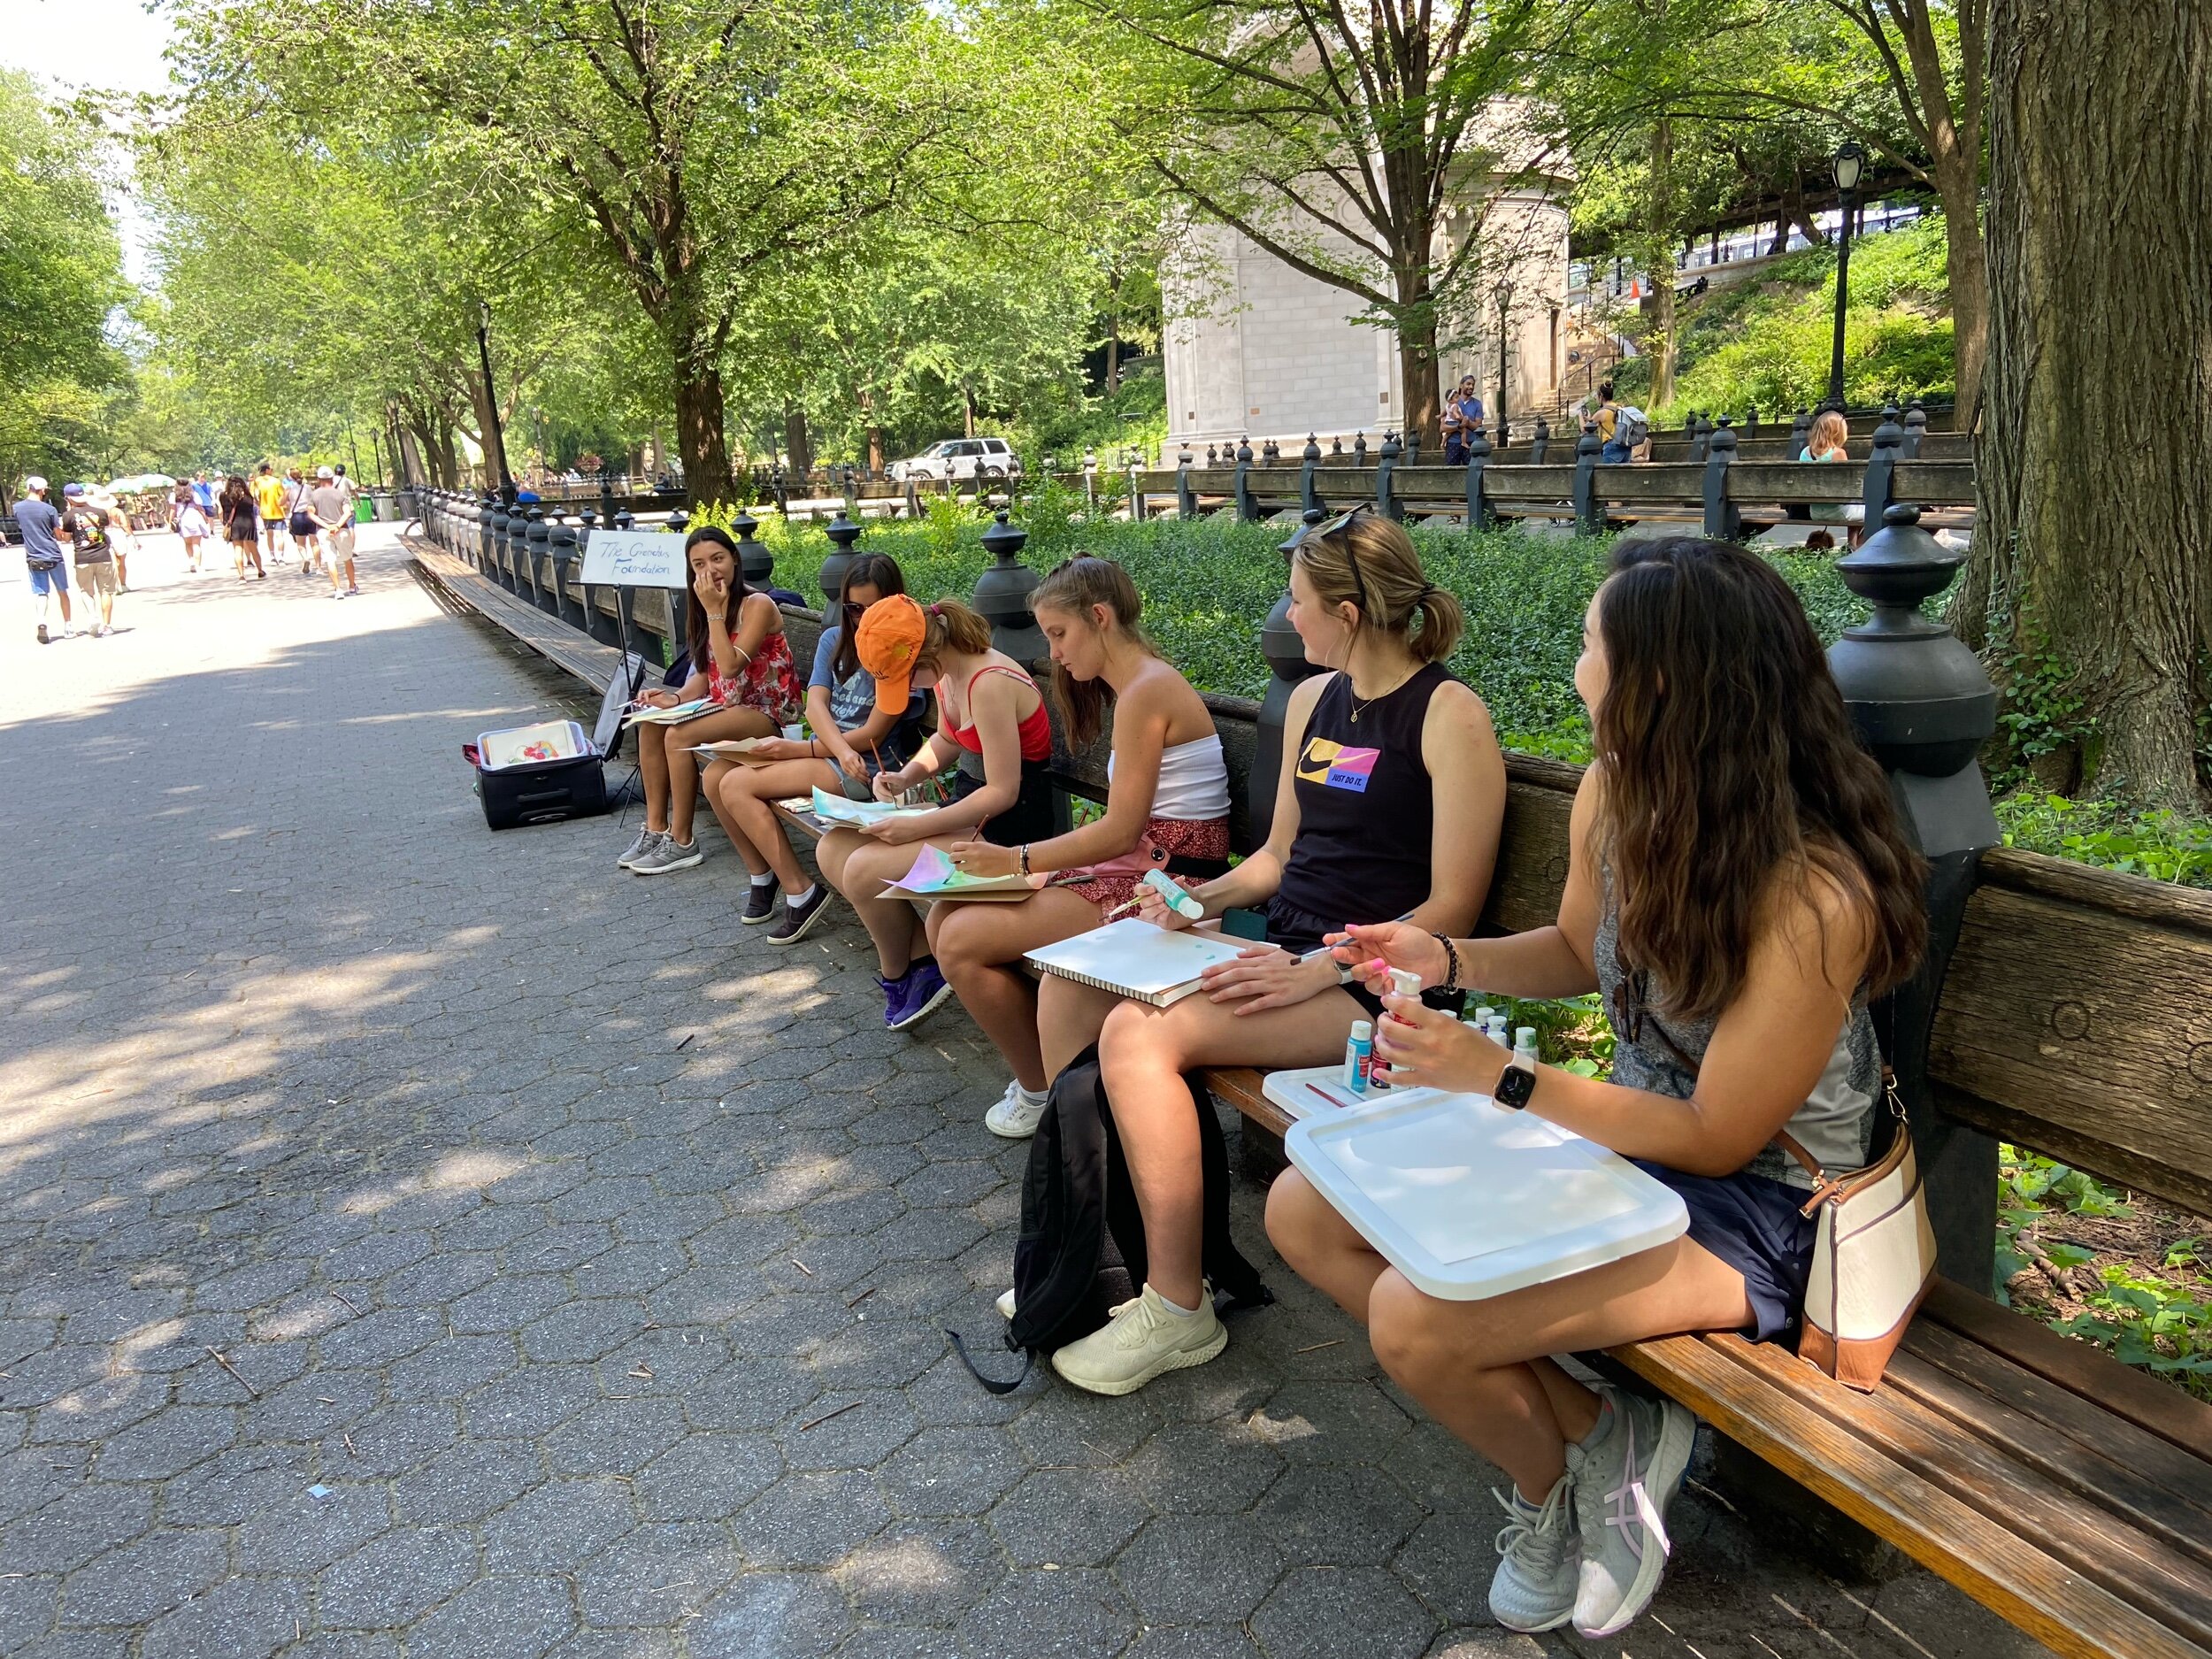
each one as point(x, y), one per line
point(1738, 887)
point(1167, 807)
point(991, 717)
point(741, 663)
point(854, 739)
point(1389, 804)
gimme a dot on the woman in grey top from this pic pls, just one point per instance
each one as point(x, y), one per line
point(1737, 886)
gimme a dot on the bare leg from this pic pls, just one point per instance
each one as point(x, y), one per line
point(652, 761)
point(683, 765)
point(857, 866)
point(1143, 1052)
point(977, 948)
point(753, 828)
point(1069, 1019)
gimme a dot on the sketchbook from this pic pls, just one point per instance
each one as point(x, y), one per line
point(737, 749)
point(933, 876)
point(676, 716)
point(835, 808)
point(1133, 958)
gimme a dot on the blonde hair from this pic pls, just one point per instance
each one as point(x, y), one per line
point(950, 625)
point(1371, 565)
point(1074, 589)
point(1830, 431)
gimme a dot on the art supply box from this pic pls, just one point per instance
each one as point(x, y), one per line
point(536, 774)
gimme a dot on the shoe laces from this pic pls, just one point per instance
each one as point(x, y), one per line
point(1535, 1543)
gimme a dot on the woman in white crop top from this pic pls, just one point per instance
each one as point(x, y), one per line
point(1167, 804)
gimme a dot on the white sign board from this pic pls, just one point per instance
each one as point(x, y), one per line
point(635, 558)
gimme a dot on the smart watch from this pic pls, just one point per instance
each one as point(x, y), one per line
point(1515, 1086)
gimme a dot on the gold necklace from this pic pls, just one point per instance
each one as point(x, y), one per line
point(1359, 707)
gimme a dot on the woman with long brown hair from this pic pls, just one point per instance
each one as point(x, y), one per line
point(1389, 804)
point(1738, 887)
point(741, 663)
point(1167, 807)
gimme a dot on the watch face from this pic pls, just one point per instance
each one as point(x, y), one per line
point(1515, 1086)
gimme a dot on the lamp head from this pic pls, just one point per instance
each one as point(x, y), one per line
point(1850, 162)
point(484, 315)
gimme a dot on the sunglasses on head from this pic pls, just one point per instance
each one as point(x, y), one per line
point(1335, 525)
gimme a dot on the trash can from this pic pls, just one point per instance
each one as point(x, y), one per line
point(364, 509)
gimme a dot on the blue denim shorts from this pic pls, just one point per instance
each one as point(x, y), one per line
point(55, 580)
point(1754, 1226)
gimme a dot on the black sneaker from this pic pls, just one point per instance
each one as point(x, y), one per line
point(760, 903)
point(41, 634)
point(798, 917)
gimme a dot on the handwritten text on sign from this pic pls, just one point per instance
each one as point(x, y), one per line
point(635, 558)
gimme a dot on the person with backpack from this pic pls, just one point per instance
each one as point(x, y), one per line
point(740, 662)
point(1738, 887)
point(91, 529)
point(1621, 428)
point(854, 739)
point(238, 512)
point(1390, 804)
point(1167, 807)
point(992, 725)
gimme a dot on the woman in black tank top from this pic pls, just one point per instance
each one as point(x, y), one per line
point(1389, 804)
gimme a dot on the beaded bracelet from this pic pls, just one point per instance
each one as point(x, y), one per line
point(1451, 955)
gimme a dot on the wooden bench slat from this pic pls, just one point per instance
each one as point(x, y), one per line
point(2053, 1603)
point(2150, 1405)
point(1240, 1086)
point(2073, 1442)
point(571, 650)
point(2085, 1537)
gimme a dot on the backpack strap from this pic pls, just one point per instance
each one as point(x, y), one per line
point(993, 1384)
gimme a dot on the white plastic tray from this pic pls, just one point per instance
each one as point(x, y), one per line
point(1466, 1199)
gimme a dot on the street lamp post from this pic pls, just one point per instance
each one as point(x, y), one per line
point(1850, 159)
point(491, 399)
point(1505, 307)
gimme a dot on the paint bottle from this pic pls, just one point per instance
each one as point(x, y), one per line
point(1402, 983)
point(1181, 902)
point(1359, 1054)
point(1481, 1019)
point(1496, 1034)
point(1525, 1047)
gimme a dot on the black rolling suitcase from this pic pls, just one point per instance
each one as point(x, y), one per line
point(536, 774)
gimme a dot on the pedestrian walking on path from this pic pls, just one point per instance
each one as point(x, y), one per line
point(268, 493)
point(91, 529)
point(330, 509)
point(241, 525)
point(301, 523)
point(36, 522)
point(192, 523)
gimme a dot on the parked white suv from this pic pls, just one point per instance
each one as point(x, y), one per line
point(958, 458)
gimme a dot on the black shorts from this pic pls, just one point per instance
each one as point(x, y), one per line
point(1297, 931)
point(1759, 1228)
point(1030, 817)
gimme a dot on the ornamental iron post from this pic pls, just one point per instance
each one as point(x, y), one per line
point(755, 561)
point(537, 547)
point(1589, 515)
point(1540, 441)
point(1924, 705)
point(1359, 449)
point(504, 520)
point(1479, 516)
point(1309, 485)
point(1722, 521)
point(1413, 446)
point(1385, 495)
point(1248, 510)
point(1800, 434)
point(1185, 497)
point(1701, 429)
point(1286, 664)
point(1002, 593)
point(678, 598)
point(843, 532)
point(560, 553)
point(1915, 429)
point(1881, 466)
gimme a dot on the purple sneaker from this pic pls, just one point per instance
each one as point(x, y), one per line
point(924, 992)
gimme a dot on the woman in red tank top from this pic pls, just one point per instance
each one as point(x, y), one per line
point(992, 725)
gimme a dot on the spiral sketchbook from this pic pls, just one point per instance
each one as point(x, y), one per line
point(1133, 958)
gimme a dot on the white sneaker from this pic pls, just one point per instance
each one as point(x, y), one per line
point(1142, 1339)
point(1534, 1588)
point(1006, 1304)
point(1014, 1117)
point(1622, 1490)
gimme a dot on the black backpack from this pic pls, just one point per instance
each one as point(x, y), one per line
point(1081, 1247)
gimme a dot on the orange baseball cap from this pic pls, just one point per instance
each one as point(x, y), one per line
point(887, 641)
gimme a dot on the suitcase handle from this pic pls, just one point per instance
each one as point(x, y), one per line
point(541, 797)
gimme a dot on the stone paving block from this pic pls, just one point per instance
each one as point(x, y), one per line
point(98, 1409)
point(1192, 1641)
point(582, 1330)
point(1075, 1613)
point(28, 1609)
point(236, 1485)
point(811, 1519)
point(396, 1578)
point(530, 1402)
point(80, 1644)
point(240, 1619)
point(614, 1436)
point(921, 1573)
point(656, 1576)
point(465, 1483)
point(1203, 1469)
point(143, 1579)
point(1321, 1612)
point(900, 1642)
point(707, 1476)
point(452, 1368)
point(553, 1528)
point(167, 1443)
point(495, 1618)
point(1338, 1516)
point(947, 1472)
point(1068, 1518)
point(381, 1337)
point(392, 1439)
point(838, 1432)
point(771, 1615)
point(76, 1527)
point(306, 1534)
point(1480, 1643)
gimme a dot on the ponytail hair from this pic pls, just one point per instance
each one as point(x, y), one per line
point(695, 613)
point(952, 626)
point(1369, 563)
point(1075, 588)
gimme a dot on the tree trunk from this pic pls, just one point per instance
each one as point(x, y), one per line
point(1113, 333)
point(967, 411)
point(2098, 386)
point(489, 437)
point(1966, 271)
point(699, 436)
point(1660, 262)
point(796, 443)
point(1417, 369)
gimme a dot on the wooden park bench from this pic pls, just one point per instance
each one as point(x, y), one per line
point(2067, 1491)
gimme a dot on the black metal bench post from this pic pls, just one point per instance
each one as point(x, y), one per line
point(1185, 497)
point(1479, 515)
point(753, 560)
point(1889, 443)
point(487, 508)
point(1722, 522)
point(1248, 510)
point(1923, 703)
point(1386, 501)
point(1002, 592)
point(1589, 512)
point(538, 549)
point(560, 552)
point(1309, 480)
point(843, 532)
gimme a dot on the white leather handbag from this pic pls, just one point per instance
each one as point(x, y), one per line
point(1874, 1257)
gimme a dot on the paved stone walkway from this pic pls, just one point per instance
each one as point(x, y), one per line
point(415, 1241)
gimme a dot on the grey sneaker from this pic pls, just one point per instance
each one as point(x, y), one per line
point(1622, 1486)
point(646, 839)
point(666, 854)
point(1534, 1588)
point(760, 903)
